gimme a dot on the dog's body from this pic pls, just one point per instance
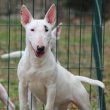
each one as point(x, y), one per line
point(37, 70)
point(5, 99)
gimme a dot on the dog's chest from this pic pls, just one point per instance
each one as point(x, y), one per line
point(38, 89)
point(37, 81)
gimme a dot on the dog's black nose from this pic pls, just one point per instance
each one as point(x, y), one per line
point(40, 48)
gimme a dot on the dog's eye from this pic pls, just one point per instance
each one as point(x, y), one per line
point(46, 28)
point(32, 30)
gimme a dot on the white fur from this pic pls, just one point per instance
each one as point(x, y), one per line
point(5, 99)
point(90, 81)
point(15, 54)
point(47, 80)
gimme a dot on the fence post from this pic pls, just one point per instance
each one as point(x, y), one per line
point(97, 41)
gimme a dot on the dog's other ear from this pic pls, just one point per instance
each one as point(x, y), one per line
point(57, 31)
point(51, 15)
point(26, 16)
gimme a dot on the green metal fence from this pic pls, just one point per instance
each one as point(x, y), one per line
point(80, 48)
point(97, 39)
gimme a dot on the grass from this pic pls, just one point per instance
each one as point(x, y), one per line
point(77, 60)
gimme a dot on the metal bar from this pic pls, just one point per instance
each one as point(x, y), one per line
point(80, 39)
point(57, 8)
point(91, 68)
point(8, 29)
point(68, 40)
point(21, 33)
point(97, 49)
point(33, 8)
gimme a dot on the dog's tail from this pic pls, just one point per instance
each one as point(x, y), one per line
point(15, 54)
point(90, 81)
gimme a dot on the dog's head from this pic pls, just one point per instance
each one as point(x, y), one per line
point(38, 32)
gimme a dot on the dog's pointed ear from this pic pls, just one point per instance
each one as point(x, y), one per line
point(57, 31)
point(26, 16)
point(51, 15)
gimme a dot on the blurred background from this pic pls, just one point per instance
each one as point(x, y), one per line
point(75, 49)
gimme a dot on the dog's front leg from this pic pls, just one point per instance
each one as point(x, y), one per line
point(23, 96)
point(51, 94)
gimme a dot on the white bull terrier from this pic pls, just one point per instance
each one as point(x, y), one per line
point(39, 72)
point(55, 35)
point(5, 99)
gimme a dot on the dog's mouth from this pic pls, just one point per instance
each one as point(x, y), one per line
point(38, 53)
